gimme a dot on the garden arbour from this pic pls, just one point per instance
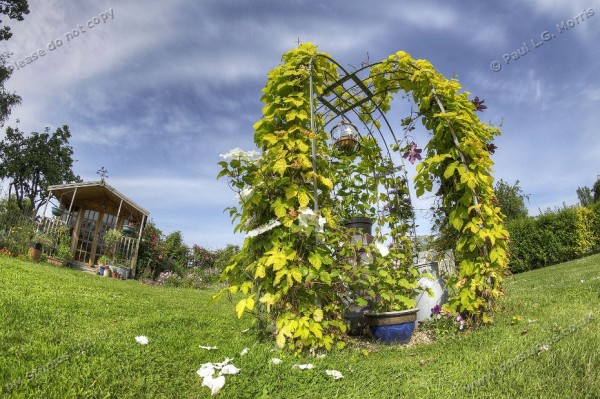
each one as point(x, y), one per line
point(300, 268)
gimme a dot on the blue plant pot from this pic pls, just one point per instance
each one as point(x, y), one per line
point(392, 327)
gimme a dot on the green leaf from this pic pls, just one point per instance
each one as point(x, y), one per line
point(303, 199)
point(260, 272)
point(279, 207)
point(450, 169)
point(280, 166)
point(240, 307)
point(291, 192)
point(315, 259)
point(318, 315)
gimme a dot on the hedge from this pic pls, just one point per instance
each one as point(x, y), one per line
point(553, 237)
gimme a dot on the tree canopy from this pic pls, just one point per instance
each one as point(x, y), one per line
point(511, 199)
point(34, 162)
point(14, 9)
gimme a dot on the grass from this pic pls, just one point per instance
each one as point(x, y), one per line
point(68, 334)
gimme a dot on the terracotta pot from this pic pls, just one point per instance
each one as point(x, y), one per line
point(35, 253)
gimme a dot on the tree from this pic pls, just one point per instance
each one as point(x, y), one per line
point(177, 251)
point(14, 9)
point(596, 190)
point(584, 194)
point(511, 200)
point(32, 163)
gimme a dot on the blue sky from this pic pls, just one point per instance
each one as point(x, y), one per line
point(154, 91)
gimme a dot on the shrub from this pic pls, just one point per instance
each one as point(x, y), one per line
point(595, 225)
point(555, 236)
point(223, 256)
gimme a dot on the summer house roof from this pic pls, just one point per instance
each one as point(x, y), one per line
point(99, 196)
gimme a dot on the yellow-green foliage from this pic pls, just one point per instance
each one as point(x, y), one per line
point(554, 236)
point(584, 232)
point(298, 268)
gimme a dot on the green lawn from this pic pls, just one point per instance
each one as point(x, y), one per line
point(68, 334)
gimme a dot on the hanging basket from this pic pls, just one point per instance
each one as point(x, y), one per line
point(348, 144)
point(128, 229)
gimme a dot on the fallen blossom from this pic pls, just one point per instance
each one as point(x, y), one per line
point(244, 351)
point(142, 339)
point(543, 348)
point(206, 369)
point(223, 363)
point(275, 360)
point(303, 366)
point(230, 369)
point(245, 331)
point(208, 348)
point(214, 384)
point(335, 374)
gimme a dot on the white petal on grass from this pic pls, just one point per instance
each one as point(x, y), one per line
point(230, 369)
point(303, 366)
point(205, 370)
point(543, 348)
point(275, 360)
point(335, 374)
point(244, 351)
point(208, 348)
point(142, 339)
point(214, 384)
point(383, 250)
point(224, 363)
point(246, 330)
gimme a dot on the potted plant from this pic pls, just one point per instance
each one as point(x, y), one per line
point(102, 262)
point(123, 271)
point(112, 238)
point(61, 254)
point(37, 243)
point(395, 283)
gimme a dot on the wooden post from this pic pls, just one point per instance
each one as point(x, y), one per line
point(137, 248)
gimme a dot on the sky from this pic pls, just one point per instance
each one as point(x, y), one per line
point(154, 91)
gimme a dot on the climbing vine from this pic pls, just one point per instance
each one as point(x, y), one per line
point(300, 268)
point(458, 160)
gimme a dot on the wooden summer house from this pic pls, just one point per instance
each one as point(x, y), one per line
point(91, 208)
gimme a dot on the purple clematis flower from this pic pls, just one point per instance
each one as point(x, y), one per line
point(413, 153)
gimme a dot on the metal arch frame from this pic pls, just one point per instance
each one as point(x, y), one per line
point(362, 94)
